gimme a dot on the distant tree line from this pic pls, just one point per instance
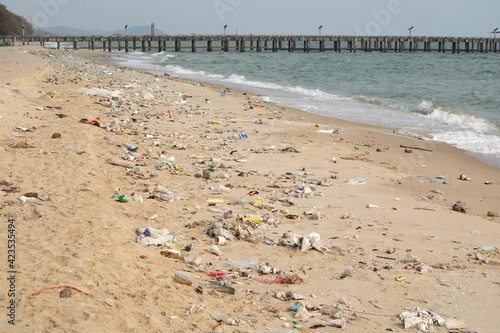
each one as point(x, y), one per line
point(12, 24)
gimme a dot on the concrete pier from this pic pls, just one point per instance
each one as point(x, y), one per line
point(273, 43)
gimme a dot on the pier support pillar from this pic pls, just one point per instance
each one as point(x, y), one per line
point(193, 46)
point(209, 46)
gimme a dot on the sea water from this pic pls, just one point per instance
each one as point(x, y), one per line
point(452, 98)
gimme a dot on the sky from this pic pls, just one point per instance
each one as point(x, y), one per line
point(269, 17)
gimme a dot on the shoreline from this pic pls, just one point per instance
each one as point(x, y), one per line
point(484, 158)
point(389, 226)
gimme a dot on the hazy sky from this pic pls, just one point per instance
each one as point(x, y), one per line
point(347, 17)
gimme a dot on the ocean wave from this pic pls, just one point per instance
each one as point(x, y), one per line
point(240, 79)
point(426, 107)
point(370, 100)
point(167, 56)
point(306, 92)
point(471, 141)
point(463, 120)
point(215, 76)
point(178, 70)
point(157, 54)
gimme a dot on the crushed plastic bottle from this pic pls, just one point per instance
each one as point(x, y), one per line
point(219, 316)
point(182, 279)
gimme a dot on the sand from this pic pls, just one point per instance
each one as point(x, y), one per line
point(409, 249)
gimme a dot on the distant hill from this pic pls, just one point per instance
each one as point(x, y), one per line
point(67, 31)
point(12, 24)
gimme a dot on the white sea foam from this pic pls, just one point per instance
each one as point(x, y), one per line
point(178, 70)
point(215, 76)
point(471, 141)
point(167, 56)
point(243, 81)
point(462, 120)
point(425, 106)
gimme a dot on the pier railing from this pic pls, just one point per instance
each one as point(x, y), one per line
point(259, 43)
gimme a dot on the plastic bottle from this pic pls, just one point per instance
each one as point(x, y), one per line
point(219, 316)
point(182, 279)
point(122, 163)
point(130, 147)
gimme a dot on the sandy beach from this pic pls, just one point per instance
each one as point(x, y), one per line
point(353, 223)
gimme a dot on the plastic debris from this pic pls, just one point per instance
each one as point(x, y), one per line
point(283, 279)
point(150, 236)
point(332, 131)
point(249, 264)
point(356, 181)
point(204, 287)
point(182, 279)
point(219, 316)
point(423, 320)
point(121, 198)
